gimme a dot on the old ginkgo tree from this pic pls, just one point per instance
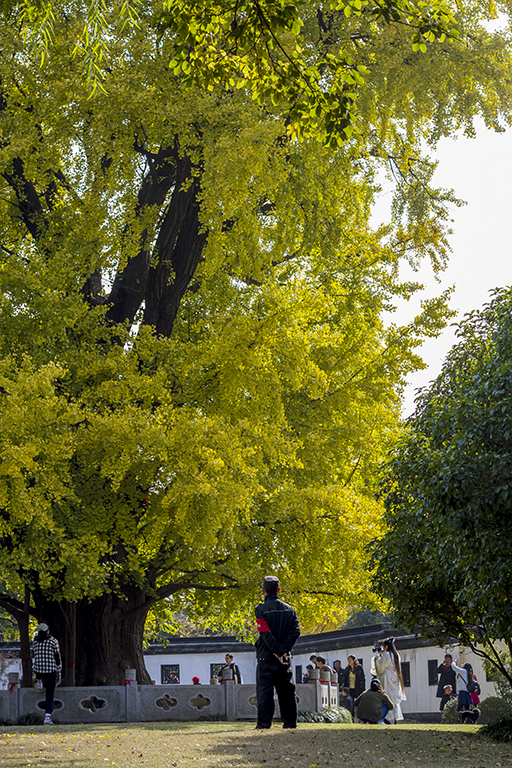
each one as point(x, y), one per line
point(196, 382)
point(277, 49)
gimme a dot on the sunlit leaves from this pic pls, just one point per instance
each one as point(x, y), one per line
point(267, 47)
point(253, 428)
point(261, 46)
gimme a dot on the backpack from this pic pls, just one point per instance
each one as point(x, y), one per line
point(473, 686)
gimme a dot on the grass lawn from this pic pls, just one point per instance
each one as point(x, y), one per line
point(222, 745)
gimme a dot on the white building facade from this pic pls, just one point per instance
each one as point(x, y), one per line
point(185, 658)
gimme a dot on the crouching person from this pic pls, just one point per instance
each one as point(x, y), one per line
point(373, 705)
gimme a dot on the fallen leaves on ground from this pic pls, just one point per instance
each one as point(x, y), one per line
point(224, 745)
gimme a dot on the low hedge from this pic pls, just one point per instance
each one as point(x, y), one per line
point(327, 715)
point(450, 714)
point(493, 708)
point(500, 730)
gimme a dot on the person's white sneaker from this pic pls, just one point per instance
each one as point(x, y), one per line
point(48, 720)
point(39, 685)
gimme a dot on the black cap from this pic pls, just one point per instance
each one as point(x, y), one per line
point(270, 584)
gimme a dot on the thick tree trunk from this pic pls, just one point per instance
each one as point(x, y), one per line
point(61, 619)
point(100, 638)
point(26, 658)
point(110, 634)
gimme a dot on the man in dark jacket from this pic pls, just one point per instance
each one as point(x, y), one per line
point(278, 628)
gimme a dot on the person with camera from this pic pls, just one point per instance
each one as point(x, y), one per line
point(467, 685)
point(447, 676)
point(373, 705)
point(386, 666)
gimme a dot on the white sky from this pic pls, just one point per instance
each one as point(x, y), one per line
point(480, 172)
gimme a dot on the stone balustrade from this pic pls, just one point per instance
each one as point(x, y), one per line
point(153, 703)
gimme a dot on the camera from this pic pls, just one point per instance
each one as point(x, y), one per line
point(378, 647)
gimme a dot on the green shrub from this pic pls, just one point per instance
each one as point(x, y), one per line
point(450, 714)
point(503, 687)
point(31, 718)
point(336, 715)
point(494, 708)
point(327, 715)
point(310, 717)
point(500, 730)
point(213, 718)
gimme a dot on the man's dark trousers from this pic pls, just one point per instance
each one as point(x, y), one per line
point(270, 675)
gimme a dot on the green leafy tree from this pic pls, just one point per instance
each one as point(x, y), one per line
point(263, 45)
point(365, 617)
point(196, 382)
point(444, 561)
point(8, 627)
point(501, 682)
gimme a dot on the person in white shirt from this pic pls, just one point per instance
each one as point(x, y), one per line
point(386, 665)
point(464, 674)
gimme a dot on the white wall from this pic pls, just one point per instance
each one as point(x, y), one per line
point(198, 665)
point(10, 665)
point(420, 696)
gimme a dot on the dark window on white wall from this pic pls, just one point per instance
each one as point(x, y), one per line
point(215, 669)
point(406, 673)
point(298, 673)
point(432, 671)
point(170, 673)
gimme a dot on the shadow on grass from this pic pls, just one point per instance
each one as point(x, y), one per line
point(358, 746)
point(225, 745)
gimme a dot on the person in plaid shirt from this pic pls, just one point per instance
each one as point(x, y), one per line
point(47, 666)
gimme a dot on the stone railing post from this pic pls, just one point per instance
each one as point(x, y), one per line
point(13, 684)
point(314, 675)
point(314, 678)
point(229, 693)
point(325, 676)
point(131, 695)
point(335, 689)
point(226, 675)
point(325, 680)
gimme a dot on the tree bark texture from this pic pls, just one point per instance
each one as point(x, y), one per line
point(105, 640)
point(110, 633)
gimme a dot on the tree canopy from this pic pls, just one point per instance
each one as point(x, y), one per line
point(196, 381)
point(295, 54)
point(444, 560)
